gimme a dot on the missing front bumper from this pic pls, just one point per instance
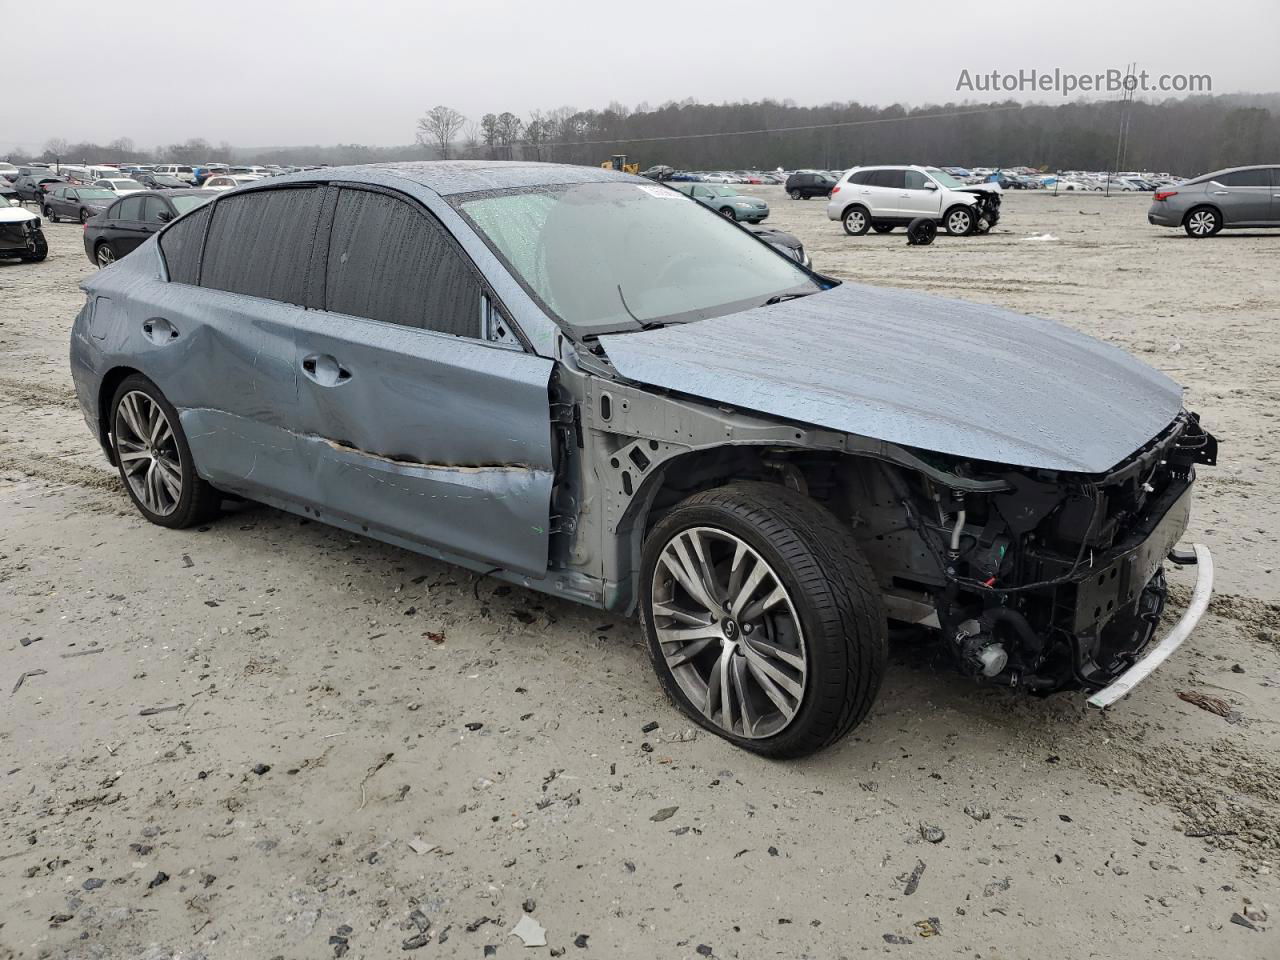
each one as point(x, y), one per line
point(1161, 652)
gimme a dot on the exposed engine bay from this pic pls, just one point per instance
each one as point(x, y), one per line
point(1044, 581)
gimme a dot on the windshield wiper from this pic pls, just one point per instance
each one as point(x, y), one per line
point(779, 298)
point(643, 324)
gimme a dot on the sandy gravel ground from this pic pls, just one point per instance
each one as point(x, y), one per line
point(267, 738)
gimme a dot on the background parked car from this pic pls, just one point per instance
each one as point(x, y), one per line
point(1228, 199)
point(32, 187)
point(725, 200)
point(131, 220)
point(181, 171)
point(76, 202)
point(228, 181)
point(21, 236)
point(120, 186)
point(805, 186)
point(8, 195)
point(887, 197)
point(160, 181)
point(8, 171)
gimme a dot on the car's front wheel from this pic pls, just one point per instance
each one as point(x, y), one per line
point(85, 216)
point(764, 622)
point(50, 215)
point(728, 214)
point(1202, 222)
point(959, 221)
point(154, 459)
point(794, 194)
point(856, 221)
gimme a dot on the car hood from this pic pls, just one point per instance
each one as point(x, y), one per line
point(940, 375)
point(980, 188)
point(12, 214)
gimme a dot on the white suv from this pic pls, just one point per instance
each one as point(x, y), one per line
point(882, 198)
point(179, 170)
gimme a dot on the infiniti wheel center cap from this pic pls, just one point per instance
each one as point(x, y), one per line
point(730, 629)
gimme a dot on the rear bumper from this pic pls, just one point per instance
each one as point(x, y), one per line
point(1161, 652)
point(1161, 217)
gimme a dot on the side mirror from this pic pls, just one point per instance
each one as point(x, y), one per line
point(930, 185)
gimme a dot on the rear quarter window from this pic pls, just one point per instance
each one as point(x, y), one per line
point(180, 245)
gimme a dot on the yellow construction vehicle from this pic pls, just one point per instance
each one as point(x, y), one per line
point(619, 162)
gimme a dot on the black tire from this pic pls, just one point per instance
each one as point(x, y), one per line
point(728, 214)
point(832, 589)
point(50, 215)
point(1201, 222)
point(959, 221)
point(41, 251)
point(883, 227)
point(922, 231)
point(794, 194)
point(856, 221)
point(104, 255)
point(197, 501)
point(85, 216)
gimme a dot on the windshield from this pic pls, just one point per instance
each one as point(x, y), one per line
point(946, 179)
point(615, 256)
point(96, 193)
point(189, 202)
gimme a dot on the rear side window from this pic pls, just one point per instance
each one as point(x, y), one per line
point(260, 244)
point(860, 177)
point(893, 179)
point(180, 245)
point(130, 209)
point(1245, 178)
point(390, 261)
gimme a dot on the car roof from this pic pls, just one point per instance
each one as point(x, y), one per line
point(449, 177)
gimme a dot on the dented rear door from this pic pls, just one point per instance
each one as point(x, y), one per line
point(410, 423)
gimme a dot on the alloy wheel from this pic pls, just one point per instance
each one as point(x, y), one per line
point(959, 222)
point(105, 255)
point(855, 221)
point(148, 453)
point(1202, 222)
point(729, 632)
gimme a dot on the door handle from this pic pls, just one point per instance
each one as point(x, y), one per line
point(325, 370)
point(1220, 193)
point(159, 331)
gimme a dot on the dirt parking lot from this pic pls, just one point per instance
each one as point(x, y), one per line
point(267, 738)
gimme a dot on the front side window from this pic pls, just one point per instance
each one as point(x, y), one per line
point(617, 256)
point(260, 244)
point(93, 193)
point(915, 180)
point(188, 202)
point(152, 210)
point(390, 261)
point(946, 179)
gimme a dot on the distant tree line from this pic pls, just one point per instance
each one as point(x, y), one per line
point(1184, 136)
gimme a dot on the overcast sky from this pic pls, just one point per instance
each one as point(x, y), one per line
point(286, 72)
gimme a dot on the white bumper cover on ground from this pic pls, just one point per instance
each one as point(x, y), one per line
point(1164, 649)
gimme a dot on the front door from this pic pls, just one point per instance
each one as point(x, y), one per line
point(921, 198)
point(410, 422)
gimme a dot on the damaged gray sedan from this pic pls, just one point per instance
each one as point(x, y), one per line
point(577, 381)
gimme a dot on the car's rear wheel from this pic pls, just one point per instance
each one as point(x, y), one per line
point(882, 227)
point(1202, 222)
point(794, 194)
point(154, 459)
point(856, 221)
point(104, 254)
point(764, 622)
point(959, 221)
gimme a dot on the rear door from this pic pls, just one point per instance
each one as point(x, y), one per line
point(129, 228)
point(412, 424)
point(888, 188)
point(236, 386)
point(1244, 196)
